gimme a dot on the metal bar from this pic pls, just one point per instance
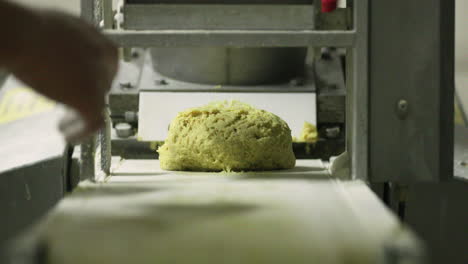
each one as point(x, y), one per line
point(67, 167)
point(87, 10)
point(91, 11)
point(87, 163)
point(218, 17)
point(231, 38)
point(103, 151)
point(234, 90)
point(446, 88)
point(359, 94)
point(88, 148)
point(224, 2)
point(107, 14)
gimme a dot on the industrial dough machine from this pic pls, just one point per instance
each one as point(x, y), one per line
point(380, 95)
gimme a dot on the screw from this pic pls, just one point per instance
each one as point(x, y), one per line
point(126, 85)
point(161, 82)
point(325, 54)
point(119, 19)
point(135, 54)
point(124, 130)
point(402, 108)
point(332, 132)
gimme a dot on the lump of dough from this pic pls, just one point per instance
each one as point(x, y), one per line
point(229, 136)
point(309, 134)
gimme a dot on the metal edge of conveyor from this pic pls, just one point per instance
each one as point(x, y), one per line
point(461, 153)
point(31, 170)
point(460, 112)
point(27, 193)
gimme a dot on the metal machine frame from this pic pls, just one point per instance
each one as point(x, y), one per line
point(374, 104)
point(355, 40)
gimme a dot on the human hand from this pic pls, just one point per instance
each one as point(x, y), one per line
point(69, 61)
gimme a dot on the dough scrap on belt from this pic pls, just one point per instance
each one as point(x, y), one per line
point(309, 134)
point(227, 136)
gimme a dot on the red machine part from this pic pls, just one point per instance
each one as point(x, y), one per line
point(328, 5)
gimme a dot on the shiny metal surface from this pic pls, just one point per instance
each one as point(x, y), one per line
point(219, 1)
point(218, 16)
point(415, 73)
point(232, 38)
point(235, 66)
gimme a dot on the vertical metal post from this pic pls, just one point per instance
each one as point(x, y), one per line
point(103, 148)
point(91, 11)
point(87, 158)
point(87, 162)
point(87, 10)
point(107, 14)
point(104, 136)
point(97, 149)
point(358, 101)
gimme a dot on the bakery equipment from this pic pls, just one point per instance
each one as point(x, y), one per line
point(382, 93)
point(190, 41)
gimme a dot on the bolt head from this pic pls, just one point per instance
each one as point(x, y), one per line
point(402, 108)
point(126, 85)
point(332, 132)
point(325, 54)
point(124, 130)
point(161, 82)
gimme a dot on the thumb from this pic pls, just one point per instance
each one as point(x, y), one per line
point(77, 126)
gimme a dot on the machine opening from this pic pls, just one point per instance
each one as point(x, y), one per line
point(303, 86)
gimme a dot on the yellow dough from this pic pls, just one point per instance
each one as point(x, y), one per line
point(309, 134)
point(229, 136)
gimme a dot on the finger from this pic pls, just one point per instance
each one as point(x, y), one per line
point(79, 124)
point(70, 117)
point(72, 126)
point(80, 129)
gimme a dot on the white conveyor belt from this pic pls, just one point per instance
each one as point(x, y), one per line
point(145, 215)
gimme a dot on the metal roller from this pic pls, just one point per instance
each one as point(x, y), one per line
point(230, 66)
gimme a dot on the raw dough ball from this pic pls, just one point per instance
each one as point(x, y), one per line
point(229, 136)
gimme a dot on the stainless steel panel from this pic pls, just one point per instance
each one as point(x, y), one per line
point(91, 11)
point(357, 95)
point(31, 179)
point(412, 86)
point(231, 38)
point(154, 81)
point(282, 2)
point(26, 193)
point(438, 213)
point(230, 66)
point(215, 16)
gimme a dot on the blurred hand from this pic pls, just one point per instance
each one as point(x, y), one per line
point(71, 62)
